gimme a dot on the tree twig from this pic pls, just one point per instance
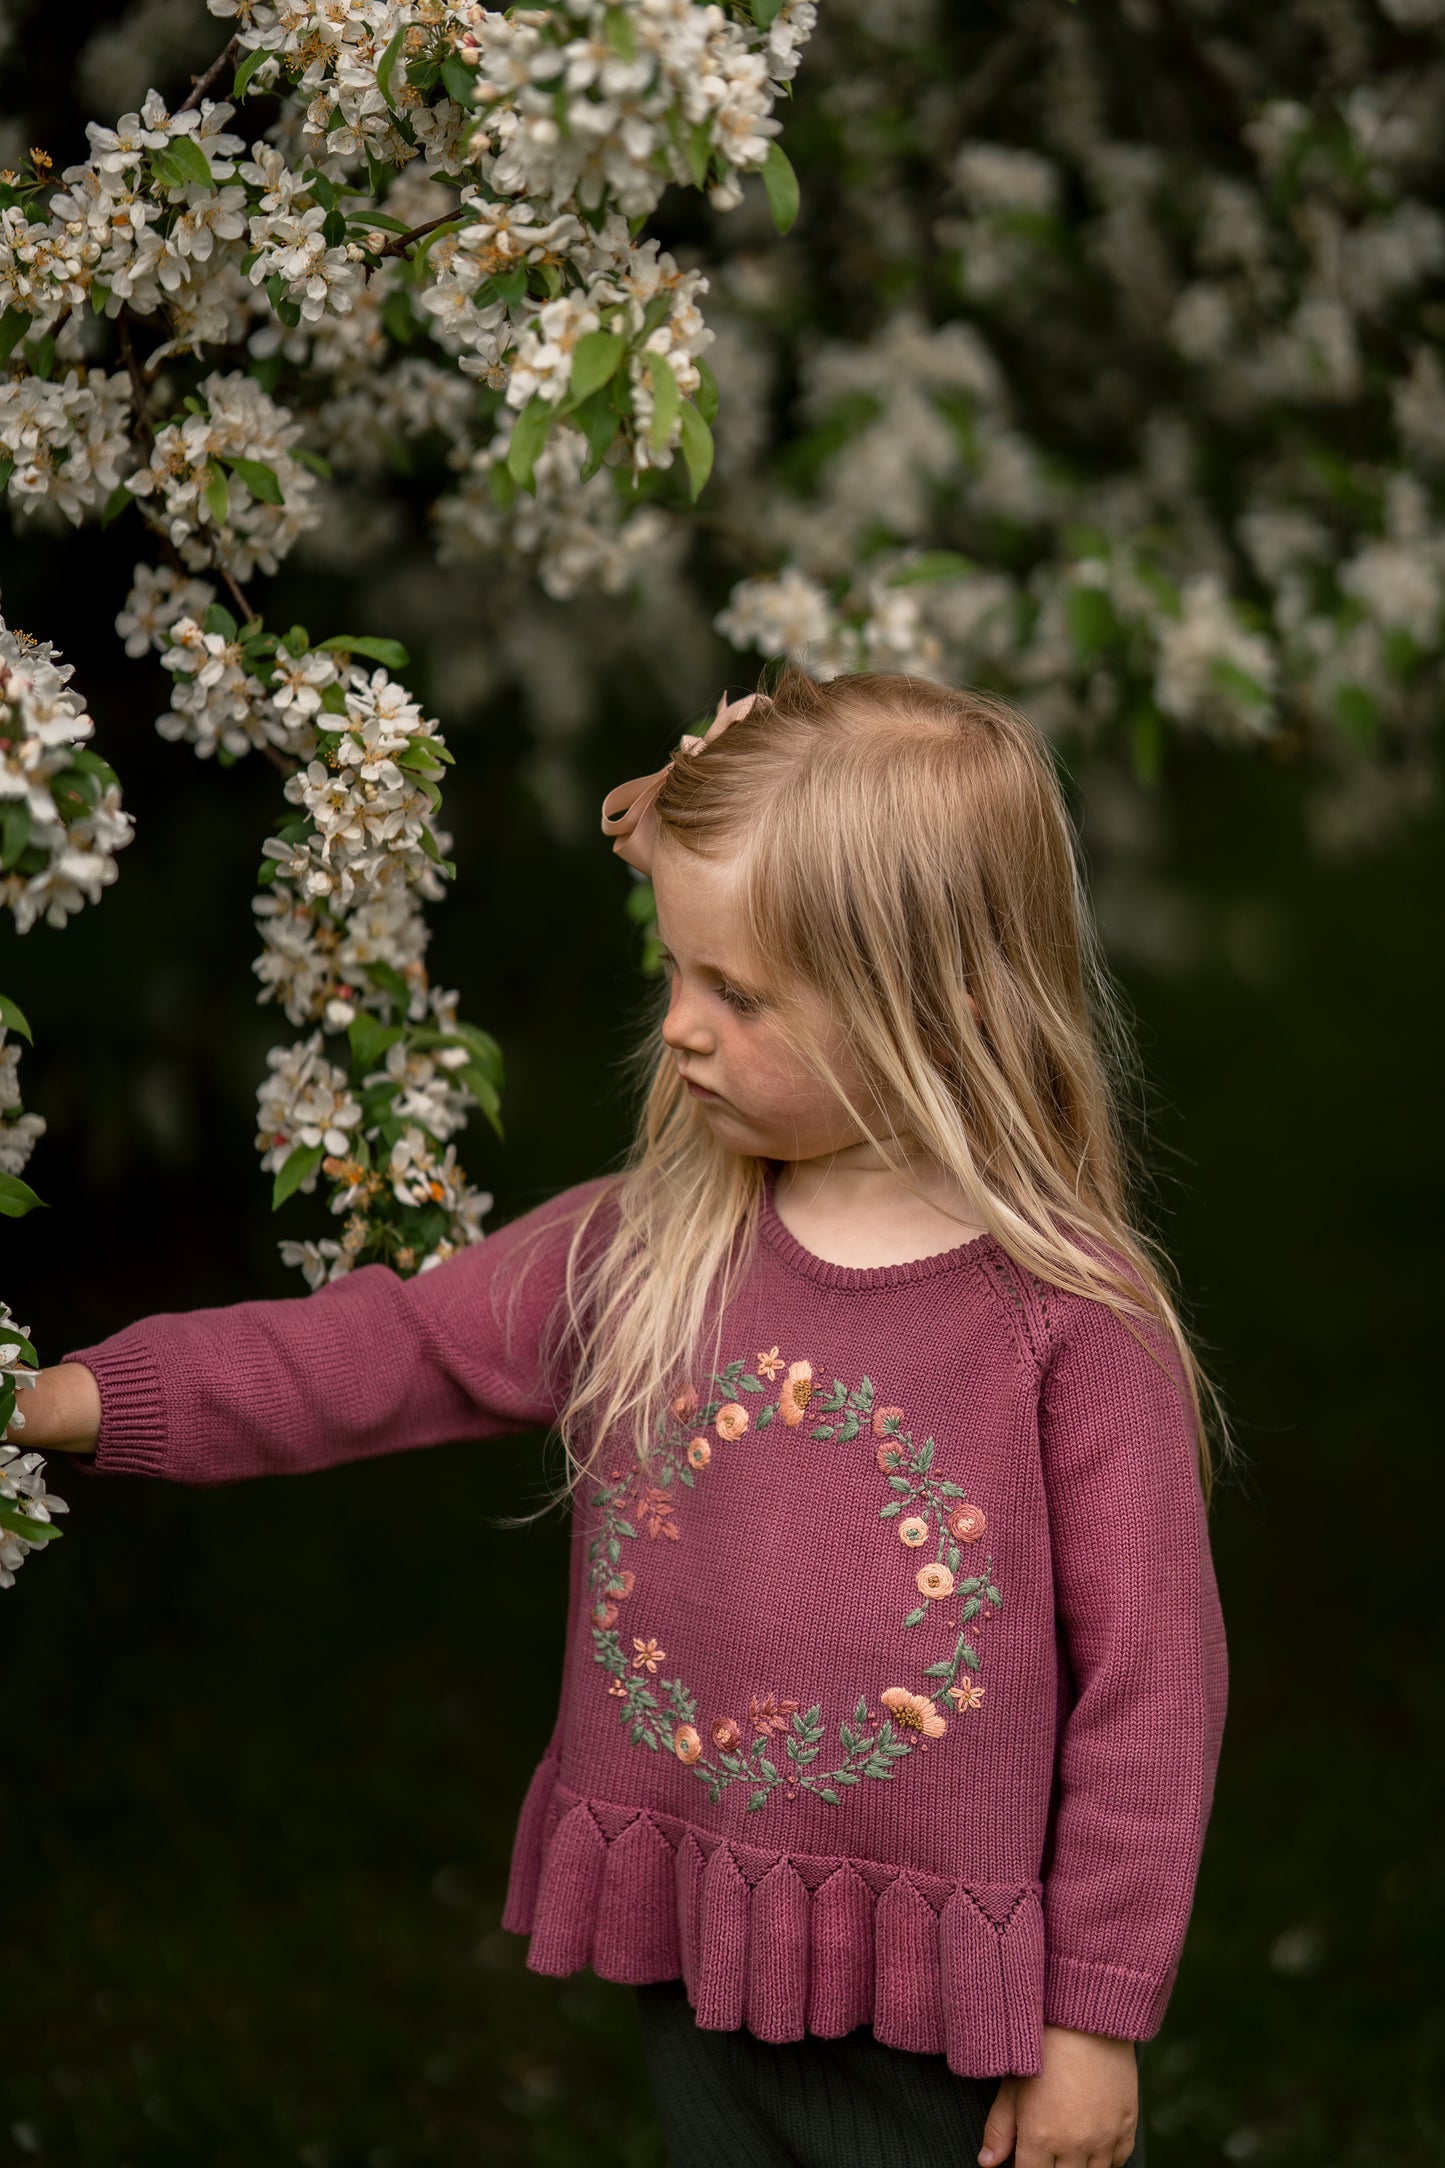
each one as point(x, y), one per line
point(200, 84)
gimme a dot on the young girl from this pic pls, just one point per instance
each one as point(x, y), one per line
point(896, 1675)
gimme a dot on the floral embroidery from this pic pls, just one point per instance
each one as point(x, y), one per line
point(665, 1718)
point(914, 1711)
point(797, 1392)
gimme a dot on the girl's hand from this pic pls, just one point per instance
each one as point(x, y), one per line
point(1081, 2111)
point(61, 1411)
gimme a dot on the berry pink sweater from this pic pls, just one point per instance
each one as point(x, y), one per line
point(894, 1689)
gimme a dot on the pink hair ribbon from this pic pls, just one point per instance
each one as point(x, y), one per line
point(628, 812)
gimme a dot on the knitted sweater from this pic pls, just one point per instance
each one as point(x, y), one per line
point(894, 1687)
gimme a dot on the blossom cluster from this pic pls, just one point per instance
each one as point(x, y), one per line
point(1216, 503)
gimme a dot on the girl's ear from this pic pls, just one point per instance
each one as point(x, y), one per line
point(973, 1005)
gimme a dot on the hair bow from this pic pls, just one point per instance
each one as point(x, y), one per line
point(628, 813)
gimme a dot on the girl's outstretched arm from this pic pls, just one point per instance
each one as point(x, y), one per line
point(367, 1364)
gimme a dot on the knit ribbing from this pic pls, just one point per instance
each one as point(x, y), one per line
point(893, 1689)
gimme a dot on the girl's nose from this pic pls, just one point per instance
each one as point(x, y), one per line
point(683, 1030)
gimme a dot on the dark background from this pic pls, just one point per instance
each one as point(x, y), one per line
point(265, 1745)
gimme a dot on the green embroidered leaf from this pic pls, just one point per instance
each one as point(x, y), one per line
point(758, 1799)
point(824, 1430)
point(914, 1616)
point(624, 1528)
point(900, 1483)
point(765, 1415)
point(877, 1769)
point(971, 1609)
point(767, 1769)
point(849, 1431)
point(813, 1717)
point(860, 1714)
point(687, 1477)
point(614, 1549)
point(966, 1588)
point(845, 1776)
point(847, 1738)
point(792, 1747)
point(993, 1594)
point(953, 1558)
point(951, 1490)
point(925, 1454)
point(826, 1792)
point(939, 1671)
point(864, 1395)
point(969, 1655)
point(895, 1505)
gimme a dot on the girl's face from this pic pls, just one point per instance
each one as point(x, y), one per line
point(723, 1032)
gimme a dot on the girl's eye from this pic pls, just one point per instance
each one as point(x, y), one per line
point(743, 1003)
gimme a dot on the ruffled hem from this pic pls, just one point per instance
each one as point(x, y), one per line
point(780, 1942)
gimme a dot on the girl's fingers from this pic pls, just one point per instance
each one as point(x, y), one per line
point(1124, 2150)
point(998, 2131)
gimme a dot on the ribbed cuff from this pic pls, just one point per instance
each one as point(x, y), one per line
point(132, 1437)
point(1105, 1998)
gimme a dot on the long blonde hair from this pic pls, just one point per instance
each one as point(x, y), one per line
point(905, 846)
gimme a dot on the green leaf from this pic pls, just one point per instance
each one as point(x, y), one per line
point(247, 69)
point(707, 391)
point(370, 1039)
point(40, 353)
point(387, 62)
point(618, 30)
point(13, 326)
point(932, 565)
point(218, 492)
point(1357, 713)
point(914, 1616)
point(1092, 622)
point(698, 152)
point(594, 362)
point(825, 1791)
point(758, 1799)
point(750, 1384)
point(12, 1016)
point(1239, 684)
point(896, 1506)
point(297, 1166)
point(460, 80)
point(7, 468)
point(900, 1483)
point(114, 504)
point(599, 420)
point(258, 478)
point(697, 448)
point(938, 1671)
point(389, 653)
point(24, 1524)
point(666, 400)
point(530, 432)
point(14, 833)
point(968, 1654)
point(860, 1714)
point(994, 1595)
point(781, 183)
point(388, 980)
point(186, 154)
point(17, 1197)
point(764, 12)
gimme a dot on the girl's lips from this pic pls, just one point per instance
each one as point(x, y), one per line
point(699, 1091)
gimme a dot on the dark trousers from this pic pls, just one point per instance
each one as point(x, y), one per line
point(730, 2100)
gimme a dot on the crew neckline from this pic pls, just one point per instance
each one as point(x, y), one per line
point(812, 1267)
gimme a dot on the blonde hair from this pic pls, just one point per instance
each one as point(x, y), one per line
point(904, 846)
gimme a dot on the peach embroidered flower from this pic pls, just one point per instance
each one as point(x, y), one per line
point(914, 1712)
point(890, 1456)
point(966, 1695)
point(686, 1743)
point(967, 1523)
point(913, 1531)
point(732, 1420)
point(770, 1714)
point(656, 1509)
point(725, 1734)
point(797, 1392)
point(621, 1583)
point(881, 1420)
point(649, 1655)
point(618, 1688)
point(699, 1453)
point(769, 1364)
point(684, 1403)
point(604, 1614)
point(935, 1581)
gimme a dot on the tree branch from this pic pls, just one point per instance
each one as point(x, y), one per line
point(200, 84)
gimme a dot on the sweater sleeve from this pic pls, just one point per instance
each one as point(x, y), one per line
point(367, 1364)
point(1140, 1626)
